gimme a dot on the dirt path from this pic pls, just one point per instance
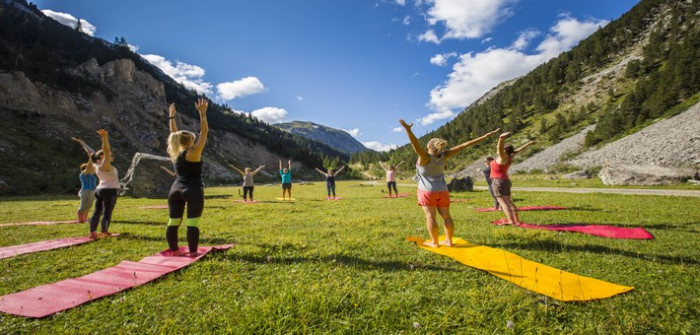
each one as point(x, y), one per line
point(638, 191)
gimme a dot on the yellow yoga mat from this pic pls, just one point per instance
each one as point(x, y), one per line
point(540, 278)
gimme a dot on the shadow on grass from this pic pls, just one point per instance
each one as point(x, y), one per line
point(145, 223)
point(684, 229)
point(586, 209)
point(218, 196)
point(183, 233)
point(549, 246)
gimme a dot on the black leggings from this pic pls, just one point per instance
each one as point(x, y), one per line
point(247, 190)
point(105, 200)
point(391, 184)
point(330, 188)
point(193, 197)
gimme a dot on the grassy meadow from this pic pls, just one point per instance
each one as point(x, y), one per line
point(317, 266)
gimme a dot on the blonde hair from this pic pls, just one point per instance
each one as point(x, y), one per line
point(178, 141)
point(437, 145)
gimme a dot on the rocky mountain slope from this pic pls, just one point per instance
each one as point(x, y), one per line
point(334, 138)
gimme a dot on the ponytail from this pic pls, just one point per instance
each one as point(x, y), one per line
point(437, 145)
point(178, 141)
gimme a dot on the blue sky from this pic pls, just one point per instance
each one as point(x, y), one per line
point(353, 65)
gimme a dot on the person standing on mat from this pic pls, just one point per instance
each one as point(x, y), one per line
point(106, 191)
point(286, 175)
point(390, 176)
point(499, 176)
point(88, 183)
point(248, 184)
point(185, 151)
point(330, 180)
point(487, 175)
point(433, 195)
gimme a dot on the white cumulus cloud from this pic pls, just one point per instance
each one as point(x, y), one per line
point(374, 145)
point(476, 73)
point(239, 88)
point(270, 114)
point(429, 36)
point(186, 74)
point(70, 20)
point(397, 130)
point(406, 20)
point(524, 39)
point(300, 98)
point(467, 18)
point(353, 132)
point(441, 59)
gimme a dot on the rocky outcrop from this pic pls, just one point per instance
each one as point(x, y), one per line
point(550, 156)
point(461, 185)
point(334, 138)
point(145, 177)
point(644, 175)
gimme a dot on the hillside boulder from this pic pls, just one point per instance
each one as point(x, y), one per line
point(461, 184)
point(583, 174)
point(145, 177)
point(644, 175)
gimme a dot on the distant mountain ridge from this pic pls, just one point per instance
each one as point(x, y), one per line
point(335, 138)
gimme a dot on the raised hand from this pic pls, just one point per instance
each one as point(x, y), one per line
point(102, 133)
point(172, 110)
point(201, 106)
point(504, 135)
point(494, 132)
point(405, 125)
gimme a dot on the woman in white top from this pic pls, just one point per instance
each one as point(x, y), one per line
point(248, 184)
point(391, 176)
point(106, 192)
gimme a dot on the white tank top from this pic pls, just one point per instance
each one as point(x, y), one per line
point(390, 175)
point(108, 179)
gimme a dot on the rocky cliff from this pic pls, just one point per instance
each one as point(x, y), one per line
point(334, 138)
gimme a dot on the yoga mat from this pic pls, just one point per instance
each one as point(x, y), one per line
point(526, 208)
point(49, 299)
point(15, 250)
point(590, 229)
point(402, 195)
point(37, 223)
point(245, 202)
point(156, 207)
point(536, 277)
point(334, 198)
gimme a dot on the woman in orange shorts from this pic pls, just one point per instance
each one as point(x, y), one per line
point(433, 195)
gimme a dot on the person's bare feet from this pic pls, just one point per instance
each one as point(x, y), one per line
point(179, 252)
point(447, 243)
point(93, 235)
point(432, 244)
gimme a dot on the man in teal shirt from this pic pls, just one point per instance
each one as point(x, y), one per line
point(286, 179)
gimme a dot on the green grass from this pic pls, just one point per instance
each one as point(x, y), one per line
point(552, 180)
point(316, 266)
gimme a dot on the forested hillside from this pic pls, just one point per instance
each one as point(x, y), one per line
point(656, 44)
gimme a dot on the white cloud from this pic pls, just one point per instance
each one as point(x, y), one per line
point(429, 36)
point(300, 98)
point(406, 20)
point(270, 114)
point(397, 130)
point(486, 40)
point(133, 48)
point(441, 59)
point(186, 74)
point(353, 132)
point(476, 73)
point(374, 145)
point(70, 21)
point(467, 18)
point(239, 88)
point(524, 39)
point(401, 2)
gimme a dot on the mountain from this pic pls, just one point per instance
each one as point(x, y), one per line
point(56, 83)
point(334, 138)
point(640, 68)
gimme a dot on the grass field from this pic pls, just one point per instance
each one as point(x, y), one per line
point(317, 266)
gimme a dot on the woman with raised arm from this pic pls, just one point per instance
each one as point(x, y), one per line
point(330, 180)
point(500, 182)
point(88, 183)
point(390, 176)
point(286, 175)
point(106, 191)
point(433, 194)
point(185, 151)
point(248, 185)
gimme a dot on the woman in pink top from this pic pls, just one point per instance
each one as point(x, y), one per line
point(391, 176)
point(499, 177)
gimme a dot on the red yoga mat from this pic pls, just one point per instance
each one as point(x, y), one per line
point(590, 229)
point(402, 195)
point(245, 202)
point(37, 223)
point(15, 250)
point(526, 208)
point(49, 299)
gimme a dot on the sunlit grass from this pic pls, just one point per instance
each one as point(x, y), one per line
point(314, 266)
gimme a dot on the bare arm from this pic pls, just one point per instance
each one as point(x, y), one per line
point(289, 165)
point(454, 150)
point(383, 166)
point(337, 172)
point(258, 169)
point(501, 148)
point(106, 149)
point(237, 169)
point(195, 155)
point(172, 111)
point(321, 172)
point(168, 171)
point(86, 147)
point(518, 150)
point(280, 164)
point(397, 165)
point(423, 157)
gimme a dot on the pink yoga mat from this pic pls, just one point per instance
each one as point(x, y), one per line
point(15, 250)
point(526, 208)
point(37, 223)
point(49, 299)
point(590, 229)
point(402, 195)
point(245, 202)
point(334, 198)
